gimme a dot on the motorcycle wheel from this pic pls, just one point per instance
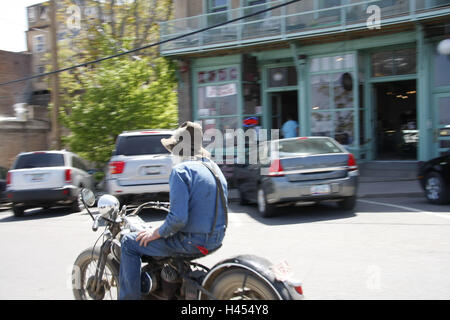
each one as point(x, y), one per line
point(239, 284)
point(83, 273)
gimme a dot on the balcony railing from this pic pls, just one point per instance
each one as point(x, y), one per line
point(300, 19)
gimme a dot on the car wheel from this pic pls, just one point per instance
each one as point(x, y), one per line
point(18, 211)
point(348, 203)
point(265, 209)
point(436, 190)
point(77, 205)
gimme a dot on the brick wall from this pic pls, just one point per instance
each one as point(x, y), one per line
point(16, 136)
point(21, 137)
point(13, 65)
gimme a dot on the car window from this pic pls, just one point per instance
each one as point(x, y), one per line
point(78, 163)
point(305, 146)
point(37, 160)
point(140, 145)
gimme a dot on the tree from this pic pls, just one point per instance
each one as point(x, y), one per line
point(125, 93)
point(119, 95)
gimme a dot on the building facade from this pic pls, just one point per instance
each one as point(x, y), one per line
point(24, 126)
point(365, 72)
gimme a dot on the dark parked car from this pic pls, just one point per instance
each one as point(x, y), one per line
point(307, 169)
point(3, 174)
point(434, 177)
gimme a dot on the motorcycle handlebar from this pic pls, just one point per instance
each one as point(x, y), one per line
point(159, 205)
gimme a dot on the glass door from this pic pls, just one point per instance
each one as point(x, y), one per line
point(442, 127)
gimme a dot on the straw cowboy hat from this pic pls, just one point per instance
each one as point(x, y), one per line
point(186, 141)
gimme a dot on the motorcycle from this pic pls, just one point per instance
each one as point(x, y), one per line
point(95, 274)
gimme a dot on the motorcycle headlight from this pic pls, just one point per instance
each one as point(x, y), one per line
point(108, 206)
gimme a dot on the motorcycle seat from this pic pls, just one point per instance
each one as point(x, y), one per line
point(183, 256)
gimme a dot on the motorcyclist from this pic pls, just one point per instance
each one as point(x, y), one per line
point(194, 225)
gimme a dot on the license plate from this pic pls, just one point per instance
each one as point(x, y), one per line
point(152, 170)
point(37, 177)
point(321, 189)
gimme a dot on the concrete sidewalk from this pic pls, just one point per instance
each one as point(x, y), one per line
point(389, 179)
point(388, 189)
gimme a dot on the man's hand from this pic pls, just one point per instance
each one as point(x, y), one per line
point(144, 237)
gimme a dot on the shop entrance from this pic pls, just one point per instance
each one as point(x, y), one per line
point(396, 131)
point(284, 105)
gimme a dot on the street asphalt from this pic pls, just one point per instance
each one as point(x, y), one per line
point(394, 245)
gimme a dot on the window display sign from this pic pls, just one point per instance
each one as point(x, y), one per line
point(219, 75)
point(221, 91)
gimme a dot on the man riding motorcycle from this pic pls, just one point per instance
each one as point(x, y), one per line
point(197, 219)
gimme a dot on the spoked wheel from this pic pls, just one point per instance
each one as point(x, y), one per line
point(241, 285)
point(83, 275)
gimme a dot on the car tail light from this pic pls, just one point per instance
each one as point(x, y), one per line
point(351, 164)
point(68, 175)
point(299, 290)
point(276, 169)
point(8, 178)
point(116, 167)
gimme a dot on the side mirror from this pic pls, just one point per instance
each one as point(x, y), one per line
point(88, 197)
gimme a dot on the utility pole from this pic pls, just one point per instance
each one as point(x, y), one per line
point(56, 135)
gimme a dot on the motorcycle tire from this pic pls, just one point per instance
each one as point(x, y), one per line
point(241, 284)
point(87, 261)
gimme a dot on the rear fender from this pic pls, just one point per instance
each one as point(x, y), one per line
point(260, 267)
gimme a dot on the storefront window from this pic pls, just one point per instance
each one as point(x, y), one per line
point(321, 124)
point(391, 63)
point(282, 77)
point(441, 70)
point(252, 98)
point(338, 62)
point(343, 124)
point(343, 90)
point(217, 100)
point(444, 111)
point(218, 93)
point(332, 97)
point(320, 92)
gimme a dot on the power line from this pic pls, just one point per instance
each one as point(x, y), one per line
point(150, 45)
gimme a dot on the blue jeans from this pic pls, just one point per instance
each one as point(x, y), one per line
point(180, 243)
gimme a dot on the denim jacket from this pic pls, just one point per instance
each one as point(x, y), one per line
point(193, 195)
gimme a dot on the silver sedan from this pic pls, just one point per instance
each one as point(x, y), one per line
point(306, 169)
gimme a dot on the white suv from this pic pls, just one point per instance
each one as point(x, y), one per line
point(140, 167)
point(45, 179)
